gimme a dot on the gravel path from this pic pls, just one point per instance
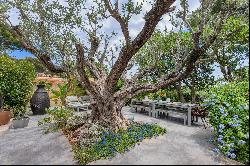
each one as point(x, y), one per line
point(30, 146)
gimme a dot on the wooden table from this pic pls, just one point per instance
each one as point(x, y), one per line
point(176, 105)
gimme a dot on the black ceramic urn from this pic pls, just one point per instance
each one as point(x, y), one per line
point(39, 101)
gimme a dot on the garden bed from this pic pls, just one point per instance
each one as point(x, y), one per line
point(92, 142)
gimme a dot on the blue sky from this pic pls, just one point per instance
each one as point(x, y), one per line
point(20, 54)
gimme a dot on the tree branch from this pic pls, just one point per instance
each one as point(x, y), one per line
point(152, 18)
point(43, 57)
point(81, 64)
point(115, 14)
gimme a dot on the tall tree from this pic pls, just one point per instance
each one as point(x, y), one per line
point(231, 53)
point(70, 37)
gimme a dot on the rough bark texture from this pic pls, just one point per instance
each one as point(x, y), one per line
point(108, 114)
point(193, 91)
point(227, 72)
point(180, 93)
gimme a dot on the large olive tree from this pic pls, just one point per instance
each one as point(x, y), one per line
point(69, 36)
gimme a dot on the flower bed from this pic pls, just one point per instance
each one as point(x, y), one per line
point(110, 143)
point(229, 116)
point(92, 142)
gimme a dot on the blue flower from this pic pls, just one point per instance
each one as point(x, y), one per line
point(232, 137)
point(204, 105)
point(211, 139)
point(241, 107)
point(216, 150)
point(237, 124)
point(229, 155)
point(113, 150)
point(231, 144)
point(224, 114)
point(241, 142)
point(104, 141)
point(231, 150)
point(235, 119)
point(221, 126)
point(220, 131)
point(222, 110)
point(236, 116)
point(220, 136)
point(233, 155)
point(227, 104)
point(220, 140)
point(211, 128)
point(230, 123)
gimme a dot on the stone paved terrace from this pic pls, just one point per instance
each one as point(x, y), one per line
point(30, 146)
point(181, 145)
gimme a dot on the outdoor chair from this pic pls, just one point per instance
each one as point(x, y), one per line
point(85, 100)
point(161, 112)
point(178, 113)
point(75, 103)
point(202, 113)
point(137, 105)
point(146, 108)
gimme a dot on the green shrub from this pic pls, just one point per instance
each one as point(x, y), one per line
point(57, 119)
point(110, 143)
point(16, 83)
point(229, 116)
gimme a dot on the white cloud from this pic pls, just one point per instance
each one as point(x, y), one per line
point(14, 14)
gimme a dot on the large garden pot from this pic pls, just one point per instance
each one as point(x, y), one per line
point(39, 101)
point(20, 123)
point(4, 117)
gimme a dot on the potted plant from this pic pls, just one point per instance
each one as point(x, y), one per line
point(20, 119)
point(16, 86)
point(5, 114)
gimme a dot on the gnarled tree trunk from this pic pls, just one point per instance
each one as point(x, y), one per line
point(180, 93)
point(193, 91)
point(108, 114)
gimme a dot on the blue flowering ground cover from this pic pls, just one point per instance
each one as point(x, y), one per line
point(228, 107)
point(110, 143)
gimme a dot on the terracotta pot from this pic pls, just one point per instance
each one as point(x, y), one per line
point(4, 117)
